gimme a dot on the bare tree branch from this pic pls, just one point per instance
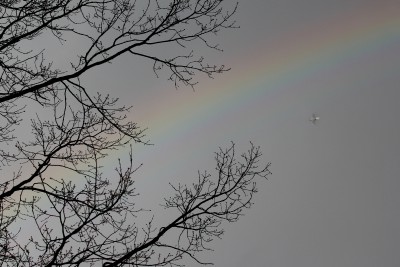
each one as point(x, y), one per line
point(73, 129)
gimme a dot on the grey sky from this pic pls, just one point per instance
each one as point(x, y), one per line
point(332, 199)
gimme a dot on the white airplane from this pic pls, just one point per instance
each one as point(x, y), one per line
point(314, 118)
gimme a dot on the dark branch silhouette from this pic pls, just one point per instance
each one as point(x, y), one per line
point(53, 128)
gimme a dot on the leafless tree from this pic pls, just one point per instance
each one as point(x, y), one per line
point(72, 129)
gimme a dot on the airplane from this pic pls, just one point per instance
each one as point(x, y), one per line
point(314, 118)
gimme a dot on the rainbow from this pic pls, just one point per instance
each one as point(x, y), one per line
point(292, 57)
point(271, 68)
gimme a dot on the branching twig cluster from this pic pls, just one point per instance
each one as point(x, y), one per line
point(53, 128)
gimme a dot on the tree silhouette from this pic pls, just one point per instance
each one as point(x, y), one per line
point(51, 122)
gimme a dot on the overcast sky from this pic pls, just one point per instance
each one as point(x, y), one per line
point(332, 199)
